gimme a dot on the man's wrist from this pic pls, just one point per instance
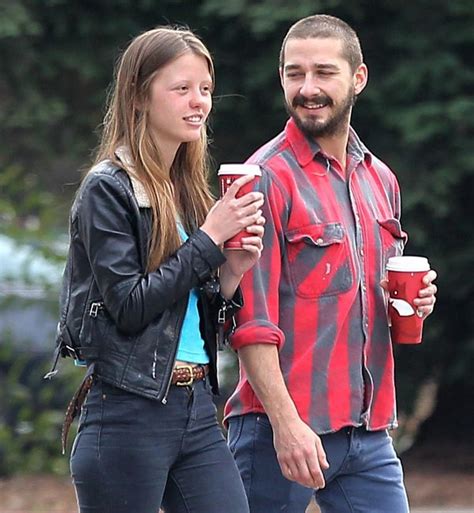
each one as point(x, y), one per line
point(281, 417)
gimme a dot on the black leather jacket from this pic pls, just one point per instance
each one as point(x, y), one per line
point(115, 315)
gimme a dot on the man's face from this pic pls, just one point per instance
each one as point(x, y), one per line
point(319, 86)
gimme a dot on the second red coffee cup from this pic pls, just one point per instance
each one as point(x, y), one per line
point(227, 174)
point(405, 275)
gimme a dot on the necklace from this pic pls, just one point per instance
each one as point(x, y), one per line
point(326, 171)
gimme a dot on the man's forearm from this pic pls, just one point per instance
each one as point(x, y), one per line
point(299, 450)
point(262, 365)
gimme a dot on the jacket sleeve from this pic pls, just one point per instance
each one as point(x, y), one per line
point(107, 227)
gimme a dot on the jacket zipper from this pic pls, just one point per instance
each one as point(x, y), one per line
point(173, 360)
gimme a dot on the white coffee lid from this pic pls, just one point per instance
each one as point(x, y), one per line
point(408, 264)
point(240, 169)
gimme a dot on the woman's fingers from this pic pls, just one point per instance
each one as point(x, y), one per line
point(234, 188)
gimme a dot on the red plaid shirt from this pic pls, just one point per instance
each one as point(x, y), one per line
point(315, 291)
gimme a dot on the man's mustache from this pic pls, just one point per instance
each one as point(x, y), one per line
point(321, 99)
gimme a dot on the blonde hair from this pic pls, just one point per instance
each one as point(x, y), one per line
point(184, 190)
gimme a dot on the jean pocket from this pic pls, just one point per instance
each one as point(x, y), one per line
point(234, 431)
point(80, 427)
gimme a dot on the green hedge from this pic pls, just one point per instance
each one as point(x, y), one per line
point(32, 410)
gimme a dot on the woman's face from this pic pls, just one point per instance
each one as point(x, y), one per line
point(180, 101)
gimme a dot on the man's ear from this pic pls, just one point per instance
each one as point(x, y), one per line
point(280, 72)
point(361, 76)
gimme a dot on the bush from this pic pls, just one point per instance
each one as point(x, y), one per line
point(32, 411)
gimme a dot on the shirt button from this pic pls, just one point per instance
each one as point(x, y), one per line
point(319, 241)
point(362, 252)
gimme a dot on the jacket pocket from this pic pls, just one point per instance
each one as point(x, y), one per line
point(392, 238)
point(319, 262)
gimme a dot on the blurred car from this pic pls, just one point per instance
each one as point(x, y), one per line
point(29, 284)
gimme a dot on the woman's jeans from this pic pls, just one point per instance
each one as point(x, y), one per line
point(133, 455)
point(365, 475)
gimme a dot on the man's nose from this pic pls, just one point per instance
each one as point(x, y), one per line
point(310, 86)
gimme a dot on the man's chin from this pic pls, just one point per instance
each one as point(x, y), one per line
point(312, 127)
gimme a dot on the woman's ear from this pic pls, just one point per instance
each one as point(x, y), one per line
point(140, 102)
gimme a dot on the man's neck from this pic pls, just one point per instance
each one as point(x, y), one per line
point(335, 146)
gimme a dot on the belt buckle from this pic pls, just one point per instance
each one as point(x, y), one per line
point(191, 376)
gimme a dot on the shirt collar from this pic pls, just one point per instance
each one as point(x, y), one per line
point(123, 155)
point(357, 149)
point(306, 149)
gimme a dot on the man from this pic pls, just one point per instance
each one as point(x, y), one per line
point(316, 392)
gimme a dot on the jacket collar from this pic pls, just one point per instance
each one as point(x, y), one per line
point(123, 155)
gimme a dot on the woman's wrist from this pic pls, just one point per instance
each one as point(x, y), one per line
point(229, 281)
point(213, 236)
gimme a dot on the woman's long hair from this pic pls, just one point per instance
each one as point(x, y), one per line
point(184, 190)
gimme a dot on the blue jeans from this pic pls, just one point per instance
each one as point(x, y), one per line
point(133, 454)
point(365, 475)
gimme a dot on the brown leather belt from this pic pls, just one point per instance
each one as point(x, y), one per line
point(185, 375)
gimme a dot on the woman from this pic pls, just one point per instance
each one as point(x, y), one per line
point(141, 296)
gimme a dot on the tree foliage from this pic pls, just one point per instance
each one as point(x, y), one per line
point(417, 114)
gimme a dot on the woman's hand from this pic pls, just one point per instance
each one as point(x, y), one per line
point(230, 214)
point(240, 261)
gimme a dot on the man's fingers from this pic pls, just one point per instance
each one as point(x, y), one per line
point(428, 291)
point(304, 470)
point(429, 277)
point(321, 454)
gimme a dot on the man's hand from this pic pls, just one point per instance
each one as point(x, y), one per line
point(426, 296)
point(300, 454)
point(298, 448)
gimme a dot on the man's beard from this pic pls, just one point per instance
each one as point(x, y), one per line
point(335, 124)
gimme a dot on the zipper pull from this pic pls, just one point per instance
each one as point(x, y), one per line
point(95, 307)
point(221, 314)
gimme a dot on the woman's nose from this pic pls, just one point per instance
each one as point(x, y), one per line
point(198, 98)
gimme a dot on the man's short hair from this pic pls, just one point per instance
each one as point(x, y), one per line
point(325, 26)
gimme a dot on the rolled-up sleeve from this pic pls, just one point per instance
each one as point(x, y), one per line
point(257, 321)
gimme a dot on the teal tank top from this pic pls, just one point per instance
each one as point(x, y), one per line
point(191, 345)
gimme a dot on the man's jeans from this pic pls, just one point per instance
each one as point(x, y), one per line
point(133, 454)
point(365, 475)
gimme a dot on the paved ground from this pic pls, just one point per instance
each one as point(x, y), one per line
point(442, 510)
point(429, 493)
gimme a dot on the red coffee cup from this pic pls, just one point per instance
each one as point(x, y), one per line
point(405, 275)
point(227, 174)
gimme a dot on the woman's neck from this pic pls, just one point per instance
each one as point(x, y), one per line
point(167, 151)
